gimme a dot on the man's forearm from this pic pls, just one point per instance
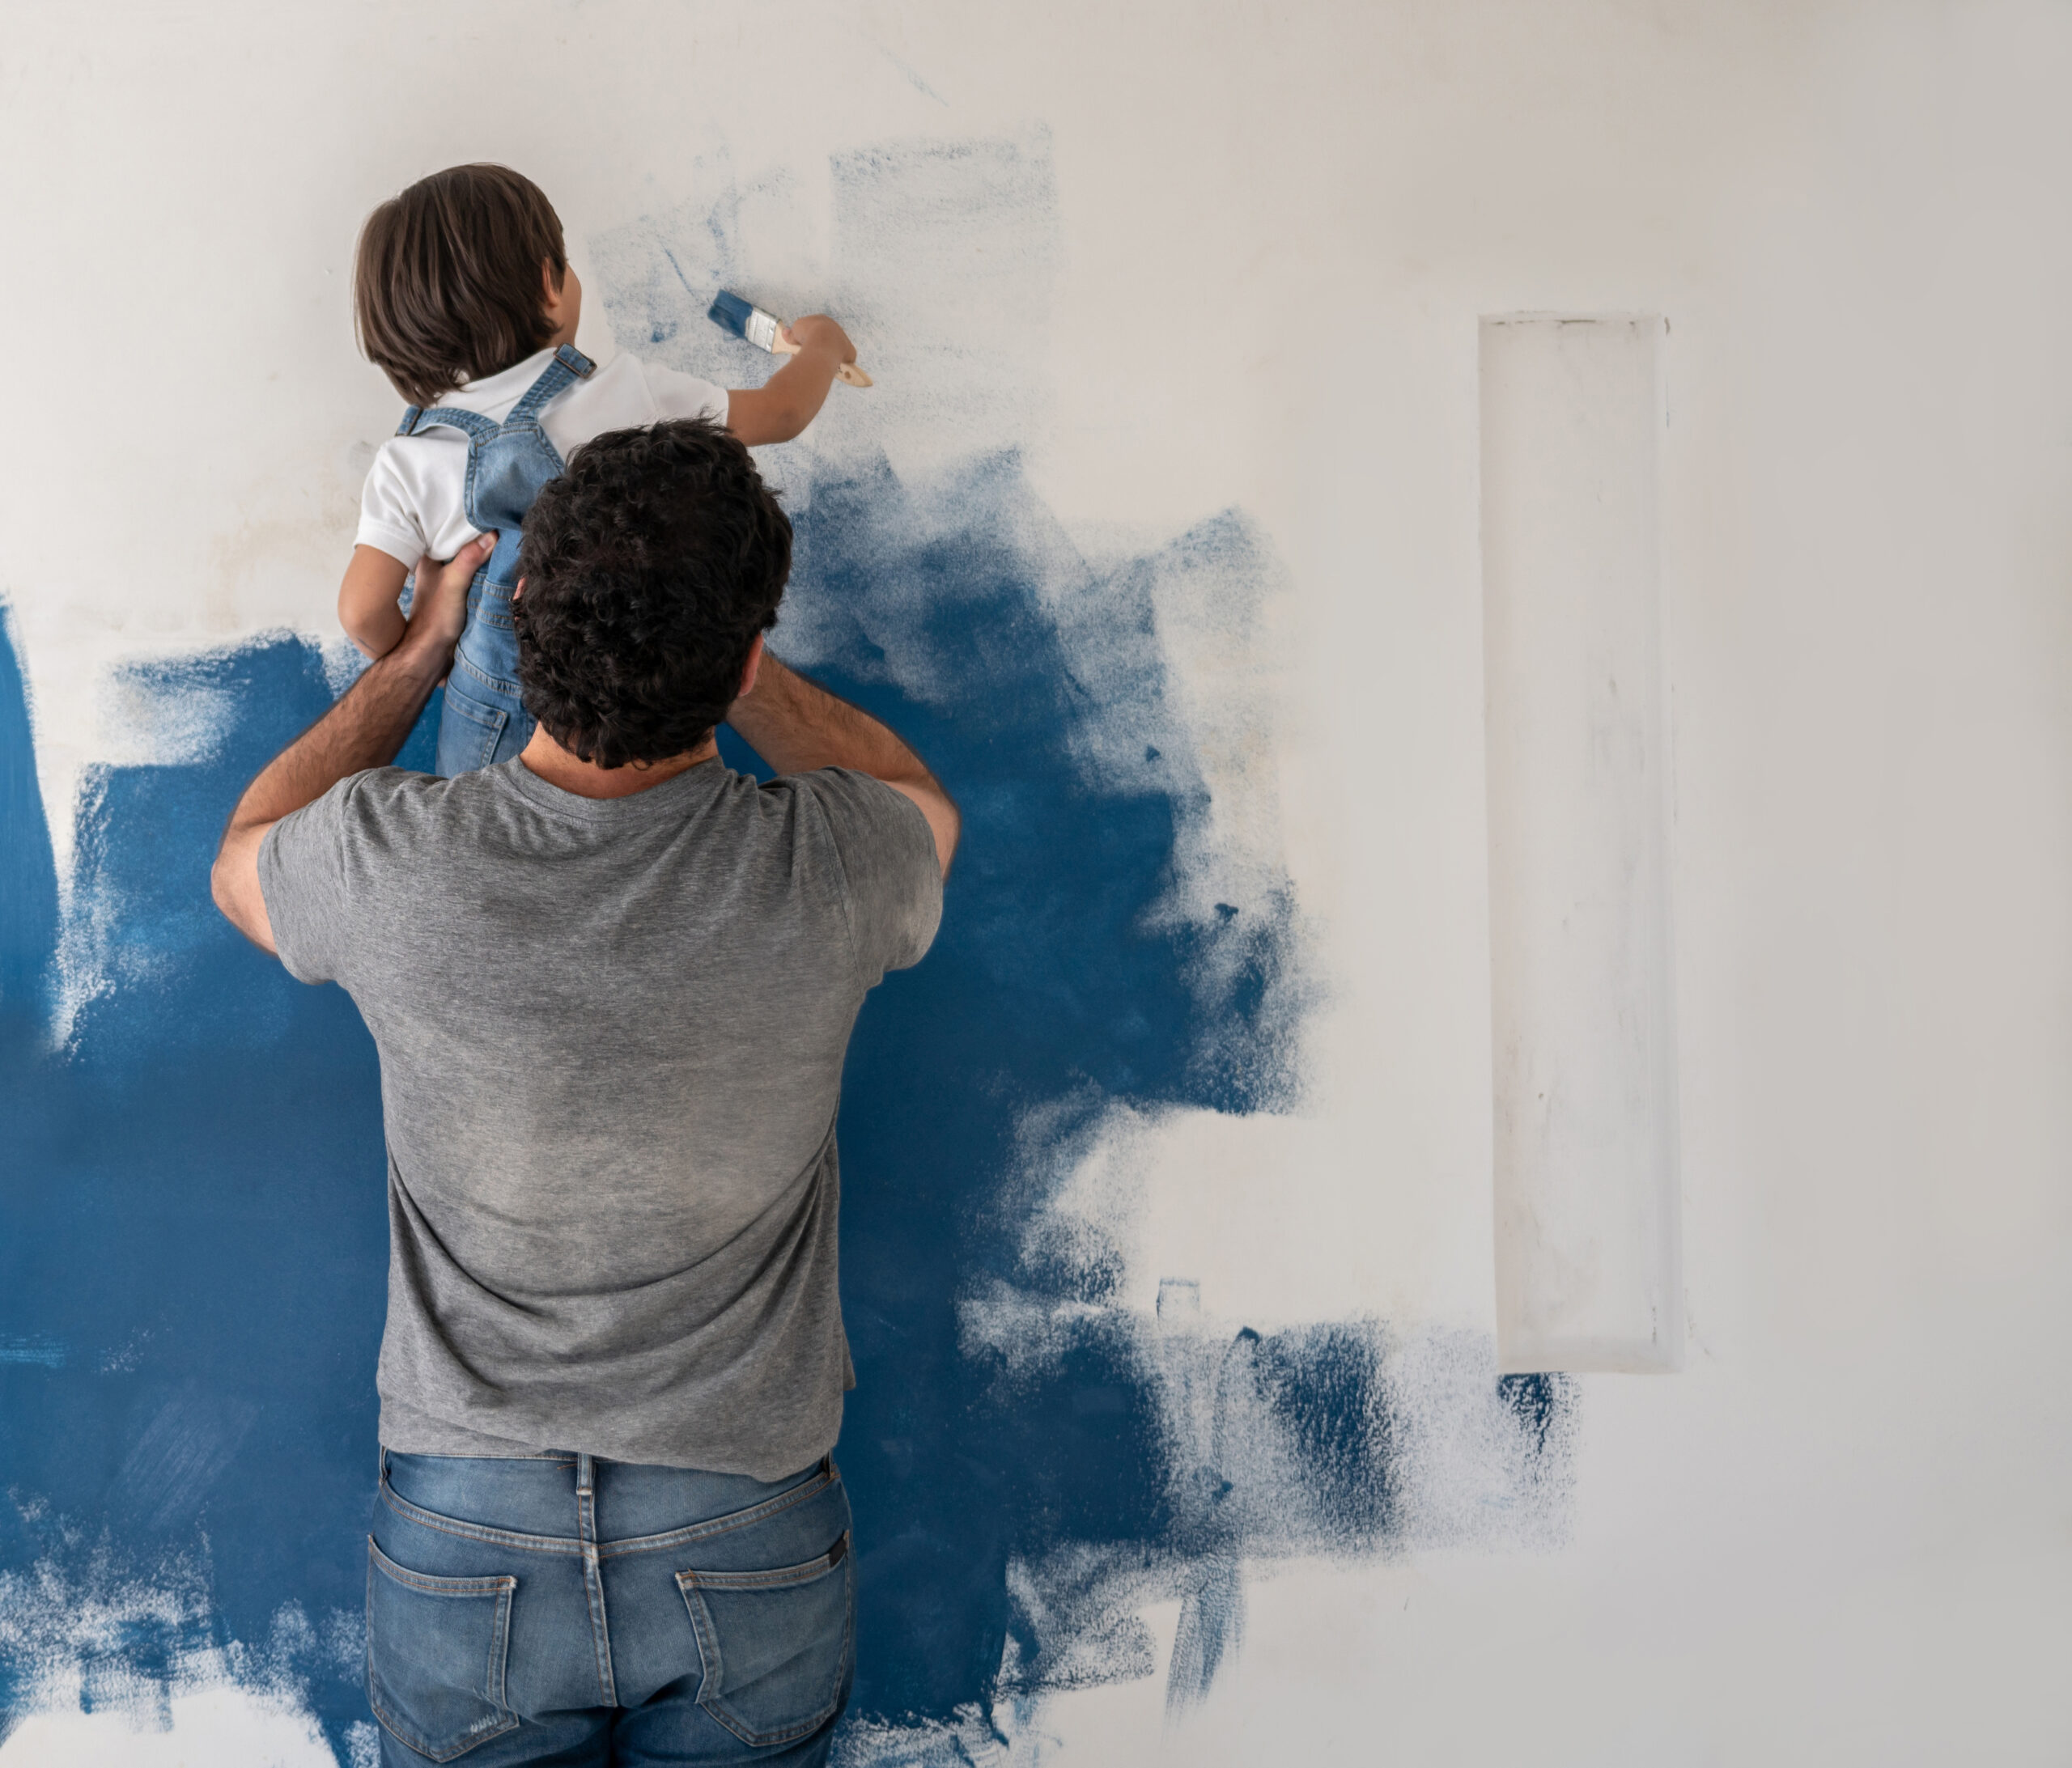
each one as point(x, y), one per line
point(797, 726)
point(365, 728)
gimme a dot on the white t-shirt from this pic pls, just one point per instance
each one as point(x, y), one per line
point(414, 501)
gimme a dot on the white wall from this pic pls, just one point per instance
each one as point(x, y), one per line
point(1841, 1534)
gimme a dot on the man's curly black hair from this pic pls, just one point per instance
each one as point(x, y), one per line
point(649, 565)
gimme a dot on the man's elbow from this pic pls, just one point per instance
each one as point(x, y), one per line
point(220, 890)
point(234, 888)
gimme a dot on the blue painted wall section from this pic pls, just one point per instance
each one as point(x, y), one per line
point(192, 1226)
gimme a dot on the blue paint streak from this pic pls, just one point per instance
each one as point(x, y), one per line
point(201, 1171)
point(1048, 978)
point(28, 879)
point(196, 1185)
point(36, 1350)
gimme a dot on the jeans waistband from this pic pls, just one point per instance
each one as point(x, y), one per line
point(559, 1503)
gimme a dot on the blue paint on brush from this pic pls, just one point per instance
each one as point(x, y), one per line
point(743, 318)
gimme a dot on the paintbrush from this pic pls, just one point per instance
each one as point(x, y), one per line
point(766, 331)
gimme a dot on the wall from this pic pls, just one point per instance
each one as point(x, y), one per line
point(1169, 1237)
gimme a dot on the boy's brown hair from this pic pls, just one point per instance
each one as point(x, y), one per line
point(446, 282)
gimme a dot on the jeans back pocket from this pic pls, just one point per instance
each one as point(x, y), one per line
point(436, 1650)
point(469, 729)
point(775, 1644)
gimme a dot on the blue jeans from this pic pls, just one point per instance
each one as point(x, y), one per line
point(560, 1609)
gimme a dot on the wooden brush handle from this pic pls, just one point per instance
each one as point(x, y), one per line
point(848, 372)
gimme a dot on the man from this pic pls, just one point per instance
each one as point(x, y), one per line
point(611, 983)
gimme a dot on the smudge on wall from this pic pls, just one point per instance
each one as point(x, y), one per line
point(192, 1180)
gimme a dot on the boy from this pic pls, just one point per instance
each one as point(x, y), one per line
point(463, 296)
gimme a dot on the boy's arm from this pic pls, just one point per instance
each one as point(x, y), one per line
point(367, 601)
point(784, 405)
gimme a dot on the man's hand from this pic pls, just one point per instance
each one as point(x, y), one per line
point(363, 730)
point(439, 610)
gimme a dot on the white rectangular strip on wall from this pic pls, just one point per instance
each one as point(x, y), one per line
point(1588, 1255)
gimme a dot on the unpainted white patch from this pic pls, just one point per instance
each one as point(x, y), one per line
point(115, 1658)
point(1279, 1445)
point(226, 1726)
point(144, 722)
point(972, 1739)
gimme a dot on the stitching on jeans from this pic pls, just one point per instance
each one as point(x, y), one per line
point(499, 1653)
point(593, 1577)
point(501, 1538)
point(394, 1726)
point(823, 1478)
point(778, 1578)
point(687, 1582)
point(765, 1740)
point(708, 1649)
point(498, 683)
point(437, 1586)
point(810, 1487)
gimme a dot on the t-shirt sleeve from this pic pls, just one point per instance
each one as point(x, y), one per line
point(677, 395)
point(888, 866)
point(302, 875)
point(389, 519)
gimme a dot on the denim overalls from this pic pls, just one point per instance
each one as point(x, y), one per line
point(507, 463)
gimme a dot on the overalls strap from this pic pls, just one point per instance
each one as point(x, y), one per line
point(418, 419)
point(569, 364)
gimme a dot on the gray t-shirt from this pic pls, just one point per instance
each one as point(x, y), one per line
point(611, 1035)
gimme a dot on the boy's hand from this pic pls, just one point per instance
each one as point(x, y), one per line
point(816, 331)
point(784, 405)
point(439, 610)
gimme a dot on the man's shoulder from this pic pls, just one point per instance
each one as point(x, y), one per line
point(392, 798)
point(847, 789)
point(870, 822)
point(884, 854)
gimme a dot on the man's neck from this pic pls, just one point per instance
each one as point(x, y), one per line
point(558, 766)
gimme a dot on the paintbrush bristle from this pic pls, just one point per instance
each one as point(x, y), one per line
point(745, 319)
